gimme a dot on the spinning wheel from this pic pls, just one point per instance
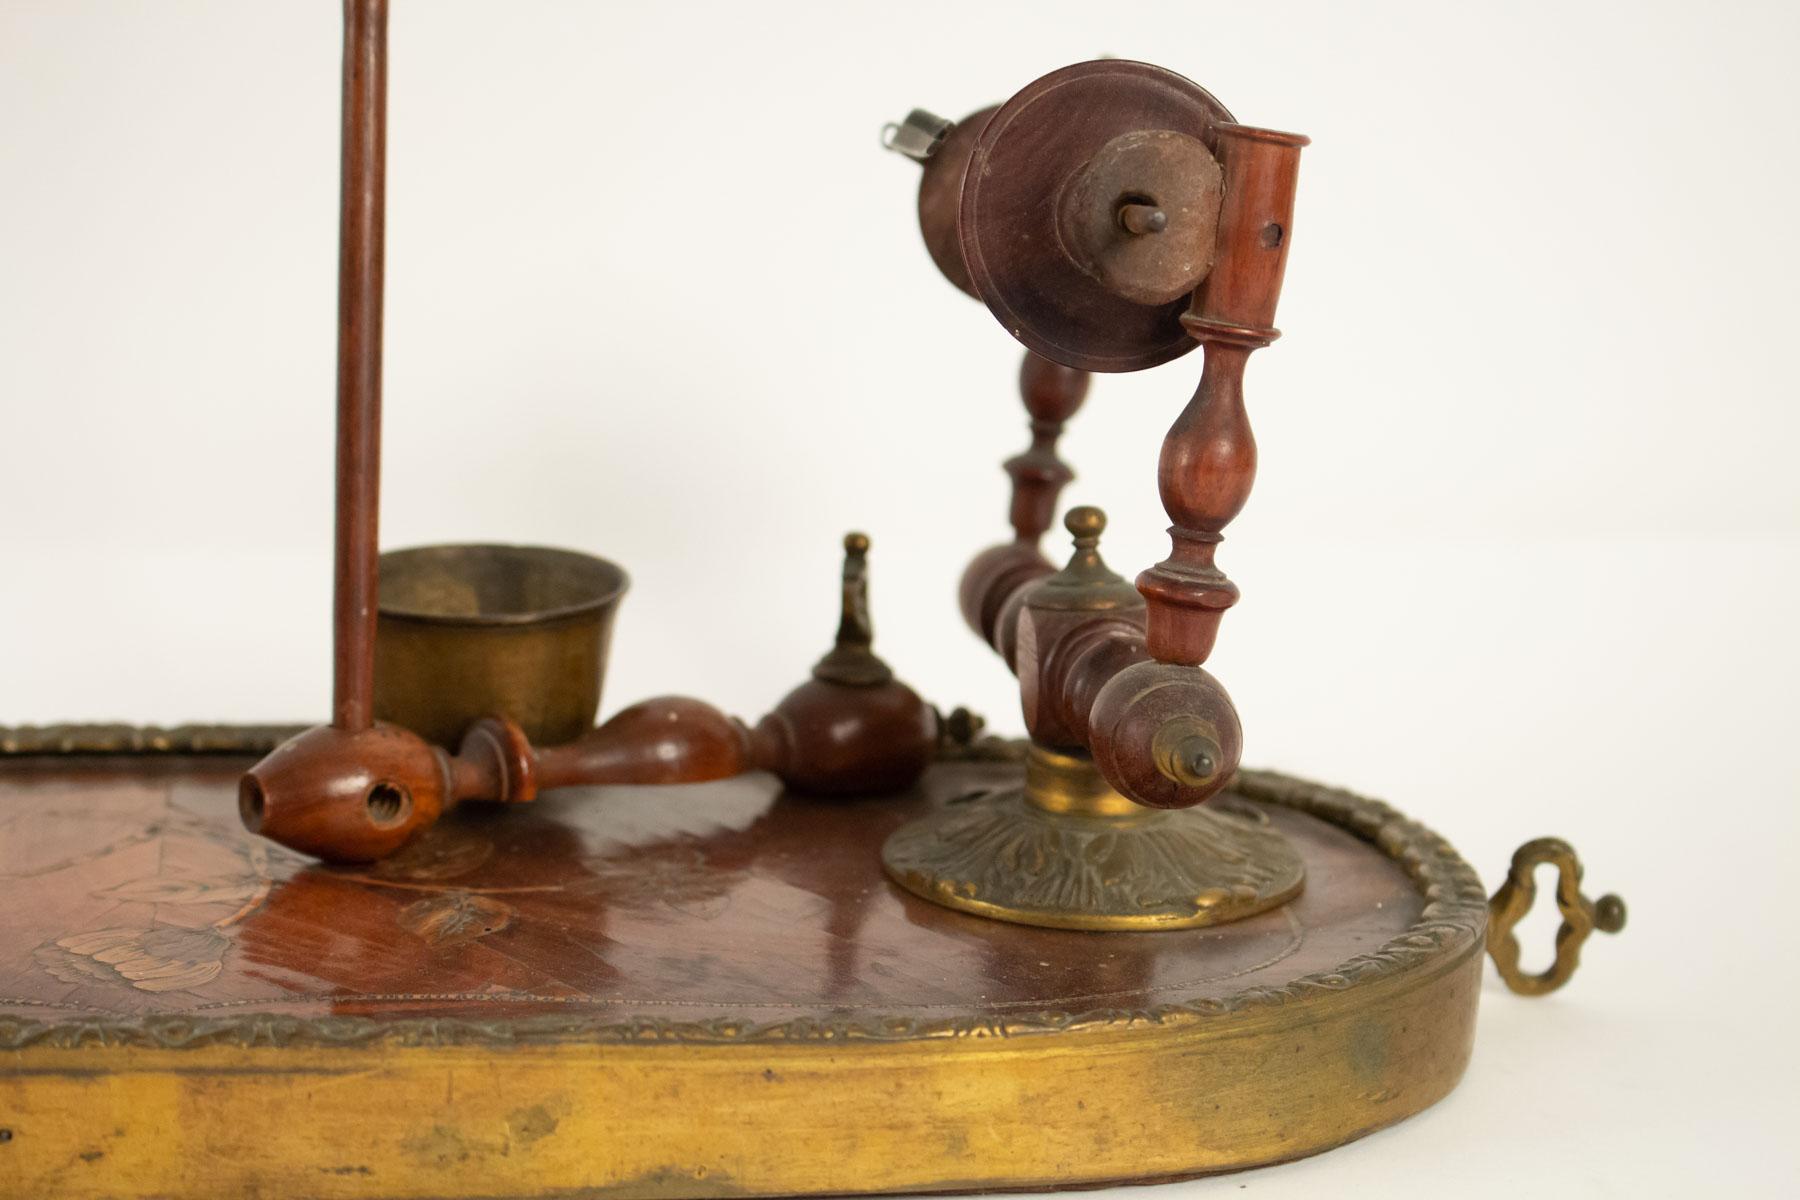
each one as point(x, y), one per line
point(616, 963)
point(1090, 212)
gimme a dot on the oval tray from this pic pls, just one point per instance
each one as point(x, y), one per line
point(693, 991)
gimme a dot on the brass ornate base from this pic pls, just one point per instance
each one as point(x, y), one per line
point(1068, 852)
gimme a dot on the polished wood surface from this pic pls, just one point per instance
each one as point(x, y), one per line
point(699, 991)
point(133, 891)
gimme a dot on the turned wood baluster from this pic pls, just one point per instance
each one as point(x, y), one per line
point(1164, 732)
point(1208, 460)
point(1052, 394)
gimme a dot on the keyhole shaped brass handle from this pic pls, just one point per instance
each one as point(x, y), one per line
point(1580, 915)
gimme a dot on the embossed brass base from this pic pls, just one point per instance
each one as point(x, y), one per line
point(1068, 852)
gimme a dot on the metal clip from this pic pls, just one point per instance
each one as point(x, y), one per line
point(1580, 915)
point(919, 136)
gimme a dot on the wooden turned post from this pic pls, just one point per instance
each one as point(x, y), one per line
point(1053, 394)
point(1208, 460)
point(361, 210)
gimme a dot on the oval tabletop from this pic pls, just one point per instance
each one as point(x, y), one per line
point(725, 916)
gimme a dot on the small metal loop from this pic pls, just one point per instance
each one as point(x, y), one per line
point(1580, 915)
point(919, 136)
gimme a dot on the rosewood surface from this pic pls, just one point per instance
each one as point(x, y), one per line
point(132, 891)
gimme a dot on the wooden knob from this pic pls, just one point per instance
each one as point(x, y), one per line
point(346, 796)
point(666, 739)
point(853, 727)
point(831, 739)
point(1167, 736)
point(994, 580)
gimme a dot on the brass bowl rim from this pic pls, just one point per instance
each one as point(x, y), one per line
point(615, 588)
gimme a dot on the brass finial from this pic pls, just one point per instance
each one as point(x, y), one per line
point(1086, 583)
point(1085, 524)
point(851, 661)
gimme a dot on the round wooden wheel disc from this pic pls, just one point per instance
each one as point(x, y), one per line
point(1010, 242)
point(940, 197)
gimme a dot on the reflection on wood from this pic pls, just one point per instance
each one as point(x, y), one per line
point(455, 917)
point(134, 893)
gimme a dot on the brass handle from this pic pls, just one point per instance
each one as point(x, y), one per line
point(1580, 915)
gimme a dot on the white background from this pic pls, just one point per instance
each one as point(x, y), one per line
point(1522, 555)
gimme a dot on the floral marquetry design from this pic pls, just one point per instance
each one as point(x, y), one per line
point(140, 913)
point(456, 917)
point(161, 959)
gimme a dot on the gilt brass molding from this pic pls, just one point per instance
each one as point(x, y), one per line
point(28, 741)
point(965, 743)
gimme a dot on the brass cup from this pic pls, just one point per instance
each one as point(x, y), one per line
point(466, 632)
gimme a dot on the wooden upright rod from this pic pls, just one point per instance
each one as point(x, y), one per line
point(360, 238)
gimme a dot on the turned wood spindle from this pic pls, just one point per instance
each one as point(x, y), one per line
point(1208, 459)
point(361, 205)
point(995, 578)
point(1053, 394)
point(354, 789)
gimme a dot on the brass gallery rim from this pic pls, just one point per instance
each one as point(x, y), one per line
point(1450, 928)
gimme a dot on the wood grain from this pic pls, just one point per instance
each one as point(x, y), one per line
point(556, 1000)
point(134, 892)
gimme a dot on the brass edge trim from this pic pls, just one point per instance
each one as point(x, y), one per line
point(1452, 926)
point(35, 741)
point(30, 741)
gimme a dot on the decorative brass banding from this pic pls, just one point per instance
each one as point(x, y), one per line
point(32, 741)
point(1065, 784)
